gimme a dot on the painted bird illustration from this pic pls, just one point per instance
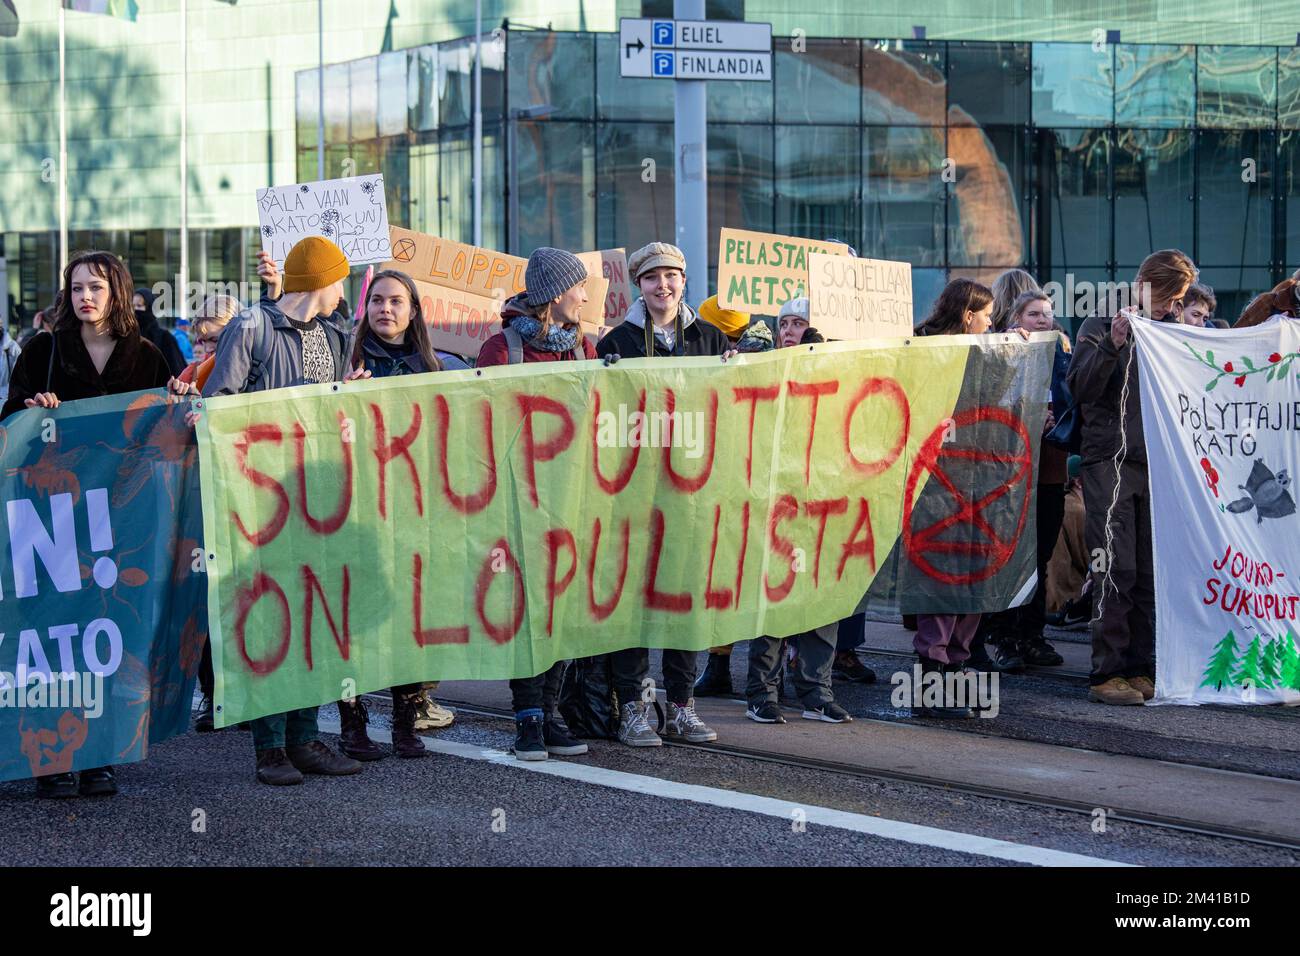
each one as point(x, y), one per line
point(1266, 493)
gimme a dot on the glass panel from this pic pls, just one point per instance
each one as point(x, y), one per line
point(988, 83)
point(336, 103)
point(926, 286)
point(620, 99)
point(1289, 188)
point(421, 89)
point(1082, 291)
point(305, 106)
point(454, 85)
point(987, 210)
point(555, 202)
point(635, 202)
point(819, 85)
point(740, 101)
point(553, 69)
point(392, 93)
point(1237, 86)
point(816, 181)
point(1155, 85)
point(1074, 85)
point(1288, 87)
point(1153, 192)
point(740, 181)
point(902, 198)
point(1235, 287)
point(1235, 219)
point(903, 82)
point(364, 104)
point(1074, 214)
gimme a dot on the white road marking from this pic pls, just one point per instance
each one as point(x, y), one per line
point(752, 803)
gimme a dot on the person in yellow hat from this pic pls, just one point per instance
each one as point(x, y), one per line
point(292, 340)
point(732, 324)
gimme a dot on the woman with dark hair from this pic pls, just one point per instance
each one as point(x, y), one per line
point(943, 641)
point(94, 350)
point(391, 339)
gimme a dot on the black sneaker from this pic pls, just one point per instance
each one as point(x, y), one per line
point(56, 786)
point(848, 666)
point(98, 782)
point(559, 740)
point(1040, 653)
point(1007, 657)
point(765, 713)
point(529, 744)
point(829, 712)
point(203, 722)
point(979, 656)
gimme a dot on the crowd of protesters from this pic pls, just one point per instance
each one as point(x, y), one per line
point(101, 337)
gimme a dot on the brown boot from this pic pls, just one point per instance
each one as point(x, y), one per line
point(353, 739)
point(1144, 686)
point(1117, 690)
point(405, 741)
point(315, 757)
point(274, 769)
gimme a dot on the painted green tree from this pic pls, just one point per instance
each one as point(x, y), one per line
point(1222, 662)
point(1270, 664)
point(1290, 662)
point(1248, 673)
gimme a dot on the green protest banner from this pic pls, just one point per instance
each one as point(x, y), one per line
point(483, 524)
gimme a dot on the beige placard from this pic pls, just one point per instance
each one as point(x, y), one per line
point(859, 298)
point(758, 272)
point(612, 265)
point(463, 287)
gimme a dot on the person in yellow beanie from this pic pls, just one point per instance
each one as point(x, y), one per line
point(294, 340)
point(732, 324)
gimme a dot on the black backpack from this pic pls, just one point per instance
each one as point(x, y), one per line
point(588, 701)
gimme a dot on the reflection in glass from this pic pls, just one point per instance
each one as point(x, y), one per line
point(635, 203)
point(1235, 287)
point(421, 89)
point(1074, 213)
point(740, 181)
point(336, 103)
point(1155, 85)
point(1288, 87)
point(903, 83)
point(392, 93)
point(363, 82)
point(1289, 189)
point(556, 182)
point(817, 181)
point(988, 83)
point(1236, 86)
point(1153, 189)
point(902, 194)
point(1074, 84)
point(819, 85)
point(926, 286)
point(986, 209)
point(555, 69)
point(1235, 220)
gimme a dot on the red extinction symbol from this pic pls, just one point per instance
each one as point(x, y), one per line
point(404, 250)
point(920, 543)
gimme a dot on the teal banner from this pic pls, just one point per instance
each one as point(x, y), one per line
point(102, 610)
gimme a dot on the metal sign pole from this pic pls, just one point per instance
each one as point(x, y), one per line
point(690, 152)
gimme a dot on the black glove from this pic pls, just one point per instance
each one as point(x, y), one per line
point(611, 358)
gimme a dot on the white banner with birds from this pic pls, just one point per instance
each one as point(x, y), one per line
point(1221, 412)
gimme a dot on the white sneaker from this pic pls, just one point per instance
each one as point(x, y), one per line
point(684, 724)
point(429, 715)
point(633, 728)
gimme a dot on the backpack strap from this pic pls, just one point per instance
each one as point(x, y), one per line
point(514, 345)
point(260, 353)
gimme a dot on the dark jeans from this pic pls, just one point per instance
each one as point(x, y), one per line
point(1025, 623)
point(1124, 636)
point(538, 691)
point(815, 653)
point(632, 665)
point(285, 730)
point(205, 670)
point(852, 633)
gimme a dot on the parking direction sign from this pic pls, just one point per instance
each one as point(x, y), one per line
point(695, 49)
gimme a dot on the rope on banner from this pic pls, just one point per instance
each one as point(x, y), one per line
point(1120, 455)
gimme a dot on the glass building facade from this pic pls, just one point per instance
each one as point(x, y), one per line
point(1080, 133)
point(964, 158)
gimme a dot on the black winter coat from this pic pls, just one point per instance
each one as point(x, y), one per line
point(134, 365)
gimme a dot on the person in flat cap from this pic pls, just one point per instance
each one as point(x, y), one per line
point(660, 323)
